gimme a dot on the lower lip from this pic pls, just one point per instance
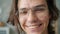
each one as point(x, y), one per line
point(34, 29)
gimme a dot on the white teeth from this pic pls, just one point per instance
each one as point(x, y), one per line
point(33, 26)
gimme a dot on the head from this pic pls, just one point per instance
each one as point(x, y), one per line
point(35, 16)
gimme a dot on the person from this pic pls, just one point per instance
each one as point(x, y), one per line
point(34, 16)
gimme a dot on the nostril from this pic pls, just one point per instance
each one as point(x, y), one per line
point(34, 21)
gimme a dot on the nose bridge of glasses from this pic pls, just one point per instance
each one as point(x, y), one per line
point(30, 10)
point(31, 13)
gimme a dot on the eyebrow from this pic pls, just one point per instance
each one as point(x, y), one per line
point(38, 6)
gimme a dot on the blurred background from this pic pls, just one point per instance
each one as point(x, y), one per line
point(5, 7)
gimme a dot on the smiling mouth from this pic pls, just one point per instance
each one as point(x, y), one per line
point(34, 26)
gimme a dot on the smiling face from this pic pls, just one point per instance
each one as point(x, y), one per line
point(33, 16)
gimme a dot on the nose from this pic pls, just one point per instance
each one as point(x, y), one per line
point(32, 18)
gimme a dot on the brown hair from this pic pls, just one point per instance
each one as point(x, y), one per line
point(53, 11)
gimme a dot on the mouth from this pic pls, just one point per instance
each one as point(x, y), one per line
point(34, 26)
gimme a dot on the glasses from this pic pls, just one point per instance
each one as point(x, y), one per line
point(34, 9)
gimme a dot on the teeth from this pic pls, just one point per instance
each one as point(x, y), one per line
point(33, 26)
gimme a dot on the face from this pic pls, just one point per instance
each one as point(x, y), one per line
point(33, 16)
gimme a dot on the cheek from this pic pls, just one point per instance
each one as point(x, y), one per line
point(22, 20)
point(43, 17)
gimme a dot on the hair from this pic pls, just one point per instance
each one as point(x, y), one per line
point(53, 11)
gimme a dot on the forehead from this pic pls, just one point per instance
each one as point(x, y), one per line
point(30, 3)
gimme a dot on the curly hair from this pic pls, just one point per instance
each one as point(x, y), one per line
point(53, 11)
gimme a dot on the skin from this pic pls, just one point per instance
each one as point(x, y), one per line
point(33, 16)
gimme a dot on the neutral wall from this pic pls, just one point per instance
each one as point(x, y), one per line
point(5, 7)
point(58, 5)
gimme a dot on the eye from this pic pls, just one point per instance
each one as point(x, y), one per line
point(23, 11)
point(39, 9)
